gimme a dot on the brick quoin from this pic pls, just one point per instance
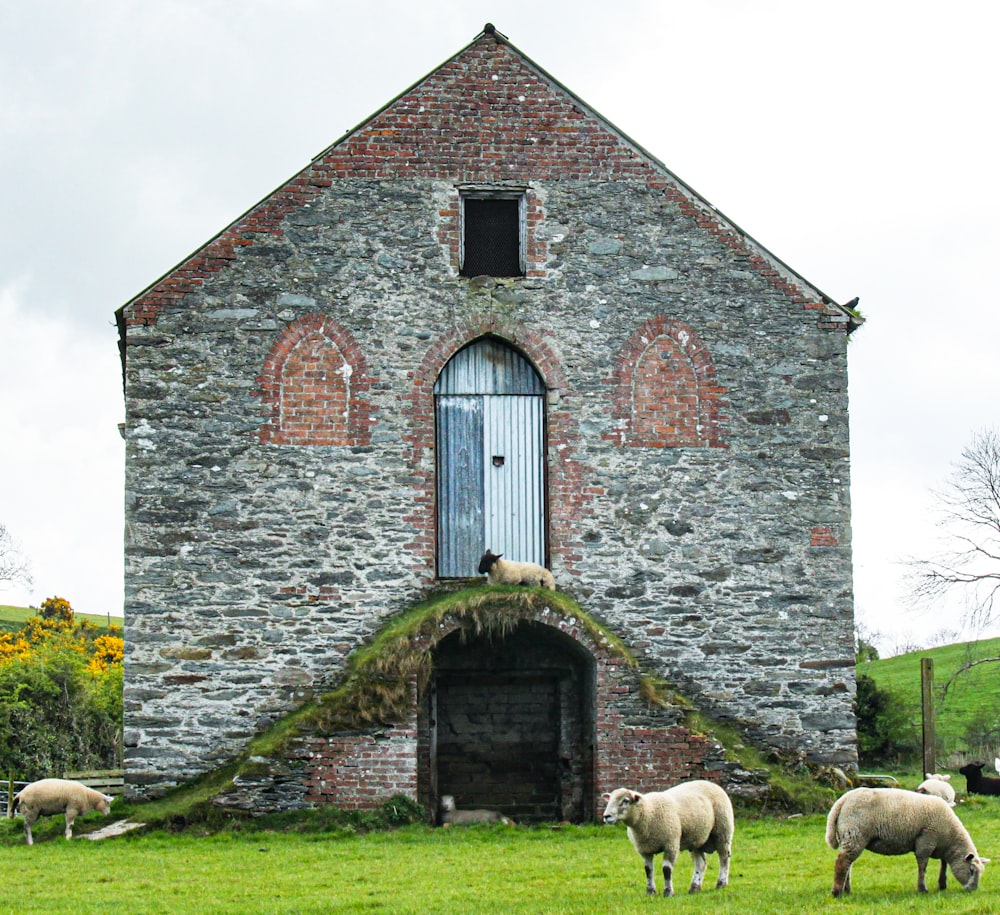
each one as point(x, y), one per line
point(822, 536)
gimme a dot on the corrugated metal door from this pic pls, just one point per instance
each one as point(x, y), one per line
point(491, 468)
point(512, 482)
point(460, 484)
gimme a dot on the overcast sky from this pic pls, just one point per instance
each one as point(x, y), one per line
point(857, 143)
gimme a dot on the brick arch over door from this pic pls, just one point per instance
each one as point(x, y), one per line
point(665, 390)
point(314, 383)
point(490, 430)
point(565, 489)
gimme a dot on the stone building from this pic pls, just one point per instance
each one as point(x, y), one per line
point(486, 318)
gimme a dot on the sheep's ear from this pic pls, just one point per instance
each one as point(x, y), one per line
point(928, 775)
point(635, 797)
point(109, 798)
point(499, 555)
point(947, 778)
point(606, 796)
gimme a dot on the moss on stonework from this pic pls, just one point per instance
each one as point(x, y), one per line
point(376, 688)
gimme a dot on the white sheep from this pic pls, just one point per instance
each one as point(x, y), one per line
point(505, 572)
point(695, 816)
point(58, 795)
point(888, 821)
point(451, 816)
point(939, 787)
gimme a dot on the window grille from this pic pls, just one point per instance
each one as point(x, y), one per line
point(492, 235)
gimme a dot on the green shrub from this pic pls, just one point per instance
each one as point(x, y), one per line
point(886, 732)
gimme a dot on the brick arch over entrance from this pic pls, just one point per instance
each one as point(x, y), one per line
point(635, 742)
point(314, 383)
point(665, 390)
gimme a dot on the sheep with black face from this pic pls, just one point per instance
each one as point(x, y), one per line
point(976, 782)
point(504, 572)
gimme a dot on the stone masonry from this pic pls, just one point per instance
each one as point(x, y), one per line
point(280, 477)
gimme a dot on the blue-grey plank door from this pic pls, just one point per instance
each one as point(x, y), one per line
point(460, 484)
point(490, 458)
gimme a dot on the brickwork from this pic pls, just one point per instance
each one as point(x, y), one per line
point(314, 383)
point(666, 391)
point(281, 468)
point(357, 771)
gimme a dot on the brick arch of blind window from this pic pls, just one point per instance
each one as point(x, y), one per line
point(314, 385)
point(666, 392)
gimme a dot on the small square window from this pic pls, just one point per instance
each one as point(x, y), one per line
point(492, 234)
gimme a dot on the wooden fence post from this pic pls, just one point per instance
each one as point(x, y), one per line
point(927, 709)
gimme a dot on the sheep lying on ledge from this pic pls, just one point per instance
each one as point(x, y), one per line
point(888, 821)
point(451, 816)
point(505, 572)
point(939, 787)
point(696, 816)
point(58, 795)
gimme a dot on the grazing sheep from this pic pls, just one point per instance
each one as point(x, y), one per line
point(888, 821)
point(976, 782)
point(58, 795)
point(505, 572)
point(450, 816)
point(695, 816)
point(939, 787)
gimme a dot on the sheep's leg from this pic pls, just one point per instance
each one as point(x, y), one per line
point(724, 855)
point(29, 820)
point(668, 875)
point(698, 875)
point(921, 875)
point(842, 873)
point(650, 884)
point(70, 817)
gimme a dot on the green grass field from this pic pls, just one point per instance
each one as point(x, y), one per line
point(779, 866)
point(974, 696)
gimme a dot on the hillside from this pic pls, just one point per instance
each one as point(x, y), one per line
point(972, 702)
point(12, 618)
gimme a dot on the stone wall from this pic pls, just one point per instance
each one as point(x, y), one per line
point(715, 541)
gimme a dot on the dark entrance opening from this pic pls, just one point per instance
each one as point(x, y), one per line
point(508, 724)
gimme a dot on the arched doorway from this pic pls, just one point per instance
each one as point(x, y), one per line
point(490, 427)
point(510, 723)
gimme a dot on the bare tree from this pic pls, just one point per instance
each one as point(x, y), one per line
point(969, 565)
point(14, 566)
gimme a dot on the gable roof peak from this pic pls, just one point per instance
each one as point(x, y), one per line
point(491, 29)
